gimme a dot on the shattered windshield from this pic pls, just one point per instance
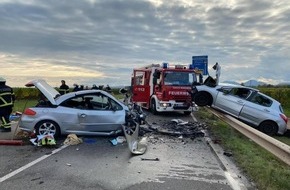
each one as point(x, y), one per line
point(179, 78)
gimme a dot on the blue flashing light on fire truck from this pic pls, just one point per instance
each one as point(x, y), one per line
point(165, 87)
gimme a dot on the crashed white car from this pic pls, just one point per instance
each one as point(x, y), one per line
point(87, 112)
point(247, 104)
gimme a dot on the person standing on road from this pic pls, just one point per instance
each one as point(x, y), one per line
point(217, 68)
point(7, 99)
point(95, 87)
point(76, 87)
point(63, 89)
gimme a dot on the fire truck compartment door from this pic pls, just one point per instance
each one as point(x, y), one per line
point(141, 93)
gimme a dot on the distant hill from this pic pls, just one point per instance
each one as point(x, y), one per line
point(254, 83)
point(231, 82)
point(284, 84)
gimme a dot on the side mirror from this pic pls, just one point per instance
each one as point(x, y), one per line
point(154, 80)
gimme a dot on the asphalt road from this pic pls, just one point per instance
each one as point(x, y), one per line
point(183, 163)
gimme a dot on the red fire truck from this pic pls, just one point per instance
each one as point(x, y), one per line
point(164, 88)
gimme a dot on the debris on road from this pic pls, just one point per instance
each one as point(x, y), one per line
point(72, 139)
point(150, 159)
point(229, 154)
point(121, 139)
point(43, 140)
point(217, 141)
point(135, 145)
point(114, 142)
point(118, 140)
point(177, 128)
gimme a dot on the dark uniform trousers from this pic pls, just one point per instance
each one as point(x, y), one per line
point(4, 117)
point(6, 104)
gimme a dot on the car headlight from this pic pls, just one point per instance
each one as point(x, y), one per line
point(165, 104)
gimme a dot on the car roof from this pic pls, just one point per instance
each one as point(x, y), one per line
point(237, 86)
point(69, 95)
point(254, 89)
point(81, 92)
point(48, 91)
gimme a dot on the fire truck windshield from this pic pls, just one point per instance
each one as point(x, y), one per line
point(179, 78)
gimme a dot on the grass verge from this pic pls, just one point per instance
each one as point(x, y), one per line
point(267, 172)
point(20, 105)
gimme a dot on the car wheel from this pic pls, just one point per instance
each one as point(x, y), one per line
point(153, 107)
point(203, 99)
point(46, 127)
point(269, 128)
point(187, 112)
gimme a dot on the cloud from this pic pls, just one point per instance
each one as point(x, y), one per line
point(97, 41)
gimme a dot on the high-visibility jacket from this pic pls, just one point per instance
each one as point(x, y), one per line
point(7, 96)
point(47, 140)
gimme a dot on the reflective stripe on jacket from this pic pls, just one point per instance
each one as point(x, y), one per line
point(6, 99)
point(64, 91)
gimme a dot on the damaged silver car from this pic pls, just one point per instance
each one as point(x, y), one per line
point(247, 104)
point(87, 112)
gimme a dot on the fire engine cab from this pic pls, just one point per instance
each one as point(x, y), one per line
point(164, 88)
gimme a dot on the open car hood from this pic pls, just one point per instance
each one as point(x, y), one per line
point(49, 92)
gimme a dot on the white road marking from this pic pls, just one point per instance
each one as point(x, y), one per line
point(235, 184)
point(194, 119)
point(30, 164)
point(234, 181)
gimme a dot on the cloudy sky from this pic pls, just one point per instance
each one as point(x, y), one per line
point(101, 41)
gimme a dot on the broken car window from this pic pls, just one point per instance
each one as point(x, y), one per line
point(241, 92)
point(261, 100)
point(92, 102)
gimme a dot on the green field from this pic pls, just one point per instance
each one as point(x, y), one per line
point(262, 167)
point(287, 111)
point(280, 94)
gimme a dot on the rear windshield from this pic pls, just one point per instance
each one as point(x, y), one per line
point(281, 109)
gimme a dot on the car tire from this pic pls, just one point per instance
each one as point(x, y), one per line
point(269, 127)
point(187, 112)
point(153, 107)
point(203, 99)
point(45, 127)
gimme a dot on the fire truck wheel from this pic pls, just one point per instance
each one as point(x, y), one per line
point(203, 99)
point(153, 107)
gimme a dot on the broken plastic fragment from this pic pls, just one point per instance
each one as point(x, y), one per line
point(135, 146)
point(121, 139)
point(114, 142)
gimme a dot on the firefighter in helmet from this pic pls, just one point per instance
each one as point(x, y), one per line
point(7, 99)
